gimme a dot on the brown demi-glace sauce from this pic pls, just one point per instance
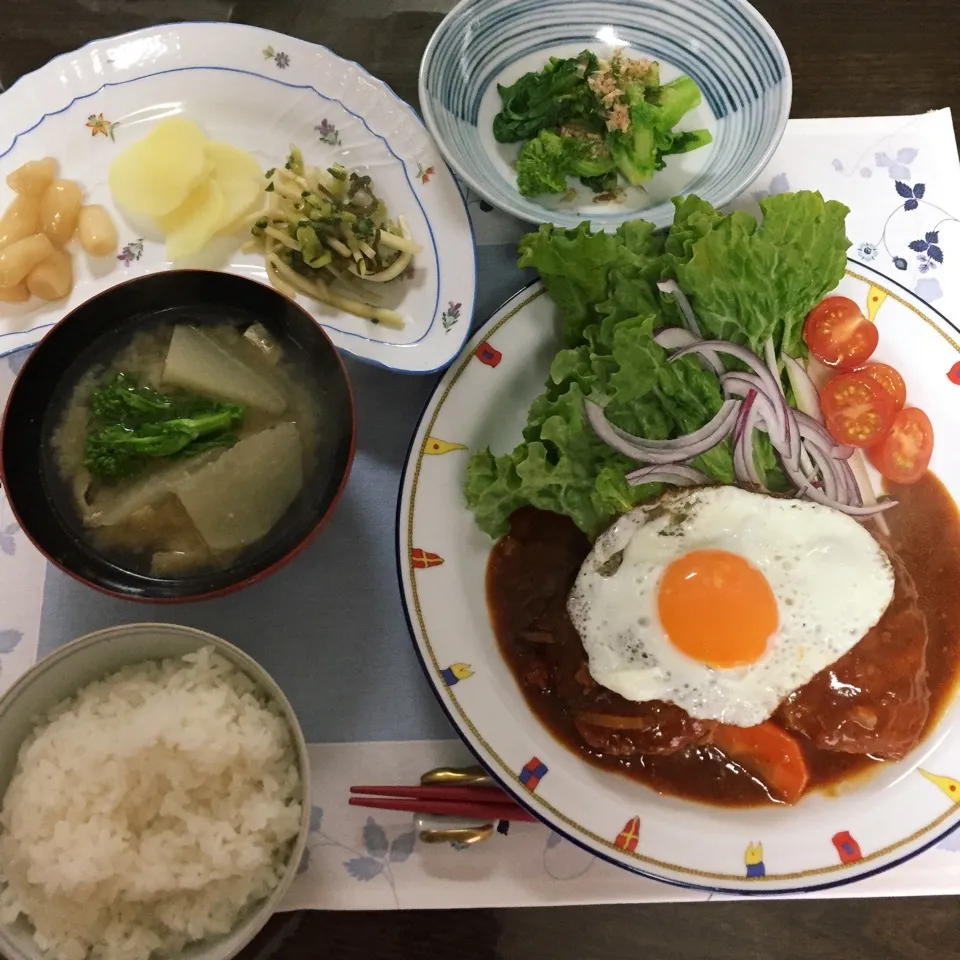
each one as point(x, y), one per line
point(538, 568)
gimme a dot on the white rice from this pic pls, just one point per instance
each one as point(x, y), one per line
point(149, 810)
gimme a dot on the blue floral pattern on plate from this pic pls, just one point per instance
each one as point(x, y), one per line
point(925, 253)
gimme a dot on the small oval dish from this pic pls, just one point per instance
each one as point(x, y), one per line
point(261, 92)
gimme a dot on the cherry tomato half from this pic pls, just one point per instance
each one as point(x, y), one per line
point(857, 410)
point(904, 454)
point(839, 335)
point(889, 379)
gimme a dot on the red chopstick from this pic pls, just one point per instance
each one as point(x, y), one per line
point(474, 803)
point(470, 794)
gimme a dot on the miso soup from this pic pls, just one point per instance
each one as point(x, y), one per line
point(182, 446)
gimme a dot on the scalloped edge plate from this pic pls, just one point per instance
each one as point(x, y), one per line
point(261, 91)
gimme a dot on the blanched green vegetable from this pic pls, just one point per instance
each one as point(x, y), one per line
point(125, 401)
point(586, 118)
point(546, 99)
point(546, 161)
point(639, 150)
point(132, 424)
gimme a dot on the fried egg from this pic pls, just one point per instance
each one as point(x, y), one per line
point(724, 601)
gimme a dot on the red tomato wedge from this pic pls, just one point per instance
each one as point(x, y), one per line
point(857, 410)
point(839, 335)
point(889, 379)
point(771, 754)
point(904, 453)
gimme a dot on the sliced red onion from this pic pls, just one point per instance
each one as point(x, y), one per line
point(770, 387)
point(672, 288)
point(819, 467)
point(770, 357)
point(738, 384)
point(662, 451)
point(677, 474)
point(673, 338)
point(742, 415)
point(811, 429)
point(834, 488)
point(845, 473)
point(812, 493)
point(808, 399)
point(726, 412)
point(743, 461)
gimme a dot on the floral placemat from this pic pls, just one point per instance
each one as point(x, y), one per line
point(901, 178)
point(371, 859)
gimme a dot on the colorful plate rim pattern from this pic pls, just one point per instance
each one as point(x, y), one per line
point(80, 76)
point(449, 661)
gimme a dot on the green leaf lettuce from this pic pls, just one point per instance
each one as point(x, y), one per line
point(746, 282)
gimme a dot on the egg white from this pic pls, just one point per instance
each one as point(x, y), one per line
point(831, 580)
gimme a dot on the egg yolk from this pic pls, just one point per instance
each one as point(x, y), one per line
point(717, 608)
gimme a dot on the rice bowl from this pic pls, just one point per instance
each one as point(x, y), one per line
point(160, 801)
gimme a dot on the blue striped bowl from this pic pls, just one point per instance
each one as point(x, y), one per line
point(725, 45)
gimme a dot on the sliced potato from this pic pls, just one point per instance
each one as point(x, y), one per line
point(190, 226)
point(232, 163)
point(239, 198)
point(156, 174)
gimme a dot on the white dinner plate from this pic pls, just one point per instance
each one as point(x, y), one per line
point(261, 91)
point(824, 840)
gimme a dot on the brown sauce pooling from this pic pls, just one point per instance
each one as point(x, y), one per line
point(529, 576)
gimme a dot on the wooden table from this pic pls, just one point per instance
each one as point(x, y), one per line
point(849, 58)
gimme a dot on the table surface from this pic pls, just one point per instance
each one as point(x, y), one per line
point(880, 57)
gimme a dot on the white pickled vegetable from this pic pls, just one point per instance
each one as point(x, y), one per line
point(258, 335)
point(199, 363)
point(115, 505)
point(176, 563)
point(236, 500)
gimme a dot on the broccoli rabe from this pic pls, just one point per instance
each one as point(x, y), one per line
point(545, 162)
point(124, 400)
point(546, 99)
point(131, 424)
point(640, 149)
point(587, 118)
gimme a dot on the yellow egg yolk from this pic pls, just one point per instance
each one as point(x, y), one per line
point(717, 608)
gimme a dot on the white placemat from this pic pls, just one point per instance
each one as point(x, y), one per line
point(901, 178)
